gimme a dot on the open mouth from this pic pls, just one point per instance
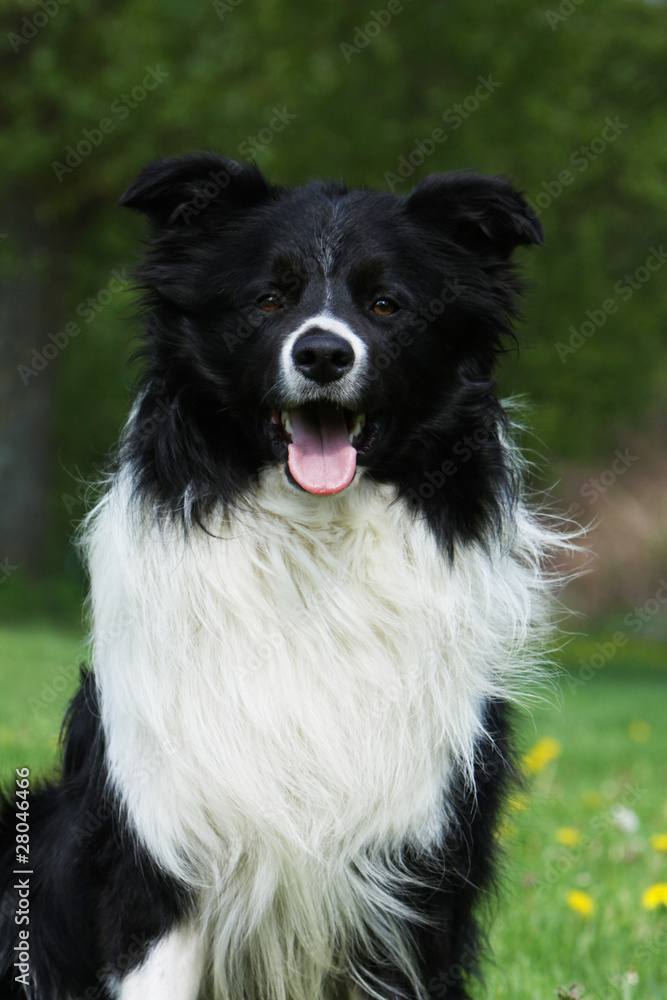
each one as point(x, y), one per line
point(323, 444)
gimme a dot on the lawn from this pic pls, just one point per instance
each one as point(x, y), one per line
point(586, 826)
point(595, 802)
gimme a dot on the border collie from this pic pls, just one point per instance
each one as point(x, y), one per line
point(316, 588)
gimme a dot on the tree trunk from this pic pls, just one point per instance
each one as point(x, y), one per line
point(30, 303)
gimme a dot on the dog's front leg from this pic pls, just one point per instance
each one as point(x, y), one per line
point(173, 968)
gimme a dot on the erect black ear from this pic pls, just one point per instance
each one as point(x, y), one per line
point(177, 190)
point(476, 212)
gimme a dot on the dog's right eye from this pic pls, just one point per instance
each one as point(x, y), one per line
point(385, 307)
point(269, 303)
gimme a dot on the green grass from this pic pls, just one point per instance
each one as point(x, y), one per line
point(539, 942)
point(38, 673)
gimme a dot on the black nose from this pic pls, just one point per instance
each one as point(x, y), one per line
point(322, 357)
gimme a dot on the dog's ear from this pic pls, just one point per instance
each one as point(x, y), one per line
point(176, 191)
point(478, 213)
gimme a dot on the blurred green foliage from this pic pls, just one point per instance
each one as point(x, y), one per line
point(363, 95)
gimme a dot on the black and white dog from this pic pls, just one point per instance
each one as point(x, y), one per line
point(315, 589)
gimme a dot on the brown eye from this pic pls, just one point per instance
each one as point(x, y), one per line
point(384, 307)
point(269, 303)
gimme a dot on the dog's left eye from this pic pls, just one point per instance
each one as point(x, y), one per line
point(384, 307)
point(269, 303)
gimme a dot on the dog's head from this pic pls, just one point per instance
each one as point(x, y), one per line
point(320, 328)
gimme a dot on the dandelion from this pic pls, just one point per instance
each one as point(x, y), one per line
point(659, 841)
point(592, 800)
point(542, 753)
point(506, 831)
point(581, 902)
point(568, 836)
point(655, 896)
point(639, 731)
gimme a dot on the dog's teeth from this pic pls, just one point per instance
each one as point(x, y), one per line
point(358, 427)
point(285, 421)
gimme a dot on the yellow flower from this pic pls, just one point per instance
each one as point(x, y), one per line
point(581, 902)
point(639, 731)
point(542, 753)
point(568, 836)
point(506, 831)
point(655, 896)
point(659, 841)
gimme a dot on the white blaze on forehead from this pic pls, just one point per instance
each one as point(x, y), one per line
point(293, 382)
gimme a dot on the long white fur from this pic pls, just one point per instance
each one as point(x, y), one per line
point(174, 968)
point(287, 701)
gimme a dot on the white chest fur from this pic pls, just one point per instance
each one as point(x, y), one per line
point(294, 690)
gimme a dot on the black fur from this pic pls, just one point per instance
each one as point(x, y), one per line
point(96, 900)
point(221, 237)
point(210, 353)
point(460, 876)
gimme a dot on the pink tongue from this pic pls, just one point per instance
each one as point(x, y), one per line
point(321, 458)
